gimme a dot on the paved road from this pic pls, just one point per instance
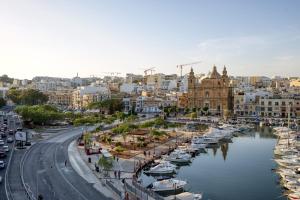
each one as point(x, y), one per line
point(3, 171)
point(46, 174)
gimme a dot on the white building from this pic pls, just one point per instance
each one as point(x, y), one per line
point(146, 104)
point(85, 95)
point(131, 88)
point(3, 92)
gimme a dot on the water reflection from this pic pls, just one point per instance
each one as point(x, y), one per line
point(241, 171)
point(224, 149)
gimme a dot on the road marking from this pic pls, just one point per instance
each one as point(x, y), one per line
point(58, 169)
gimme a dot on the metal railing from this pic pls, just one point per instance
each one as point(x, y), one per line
point(111, 185)
point(141, 192)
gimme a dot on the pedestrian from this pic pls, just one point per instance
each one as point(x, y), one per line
point(114, 157)
point(65, 163)
point(145, 154)
point(117, 159)
point(119, 174)
point(115, 173)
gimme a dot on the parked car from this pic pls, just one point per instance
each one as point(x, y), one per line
point(2, 164)
point(3, 135)
point(6, 148)
point(2, 154)
point(9, 140)
point(11, 132)
point(1, 142)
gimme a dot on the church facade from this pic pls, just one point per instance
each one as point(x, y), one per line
point(212, 92)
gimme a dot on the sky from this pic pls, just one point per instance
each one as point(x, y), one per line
point(92, 37)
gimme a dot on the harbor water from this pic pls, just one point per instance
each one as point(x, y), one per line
point(234, 171)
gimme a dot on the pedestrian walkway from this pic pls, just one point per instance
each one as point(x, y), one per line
point(81, 166)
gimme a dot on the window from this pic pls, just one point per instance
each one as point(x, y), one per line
point(276, 103)
point(207, 94)
point(270, 109)
point(262, 103)
point(270, 103)
point(283, 103)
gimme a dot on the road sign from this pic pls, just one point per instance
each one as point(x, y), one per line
point(20, 136)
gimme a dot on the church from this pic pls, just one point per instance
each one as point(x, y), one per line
point(212, 92)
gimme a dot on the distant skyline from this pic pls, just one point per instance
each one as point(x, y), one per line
point(63, 38)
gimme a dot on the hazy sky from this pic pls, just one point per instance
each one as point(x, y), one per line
point(63, 37)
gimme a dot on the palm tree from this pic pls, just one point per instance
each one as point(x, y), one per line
point(157, 134)
point(87, 138)
point(105, 163)
point(124, 136)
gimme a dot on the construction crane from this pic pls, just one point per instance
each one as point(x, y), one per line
point(188, 64)
point(112, 73)
point(152, 69)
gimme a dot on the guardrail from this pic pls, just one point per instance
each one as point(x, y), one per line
point(6, 185)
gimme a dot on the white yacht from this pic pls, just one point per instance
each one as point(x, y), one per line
point(179, 156)
point(162, 168)
point(168, 185)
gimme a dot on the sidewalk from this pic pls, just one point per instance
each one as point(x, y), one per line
point(80, 164)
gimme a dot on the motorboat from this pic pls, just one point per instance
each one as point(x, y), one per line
point(179, 156)
point(162, 168)
point(168, 185)
point(294, 196)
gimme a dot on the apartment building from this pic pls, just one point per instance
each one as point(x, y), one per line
point(278, 106)
point(85, 95)
point(61, 98)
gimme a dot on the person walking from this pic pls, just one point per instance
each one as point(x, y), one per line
point(119, 174)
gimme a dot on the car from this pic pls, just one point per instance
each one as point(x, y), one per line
point(2, 164)
point(1, 142)
point(3, 135)
point(2, 154)
point(27, 143)
point(9, 140)
point(11, 132)
point(6, 148)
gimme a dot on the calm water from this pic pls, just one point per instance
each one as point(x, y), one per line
point(234, 171)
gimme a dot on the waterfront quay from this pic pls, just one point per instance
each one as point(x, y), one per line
point(235, 156)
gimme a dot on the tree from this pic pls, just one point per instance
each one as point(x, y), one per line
point(156, 134)
point(193, 115)
point(105, 163)
point(4, 78)
point(120, 115)
point(205, 109)
point(124, 136)
point(27, 97)
point(2, 102)
point(187, 110)
point(87, 138)
point(39, 114)
point(111, 105)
